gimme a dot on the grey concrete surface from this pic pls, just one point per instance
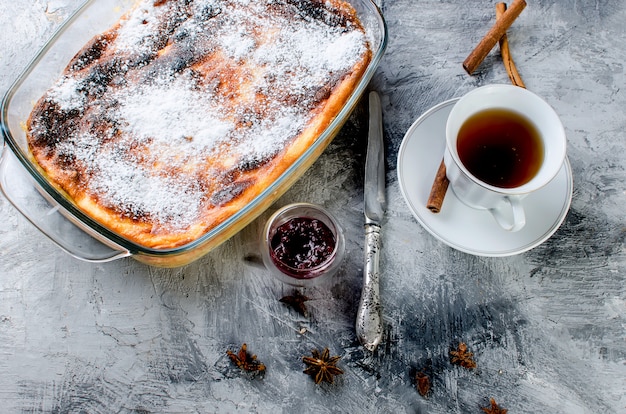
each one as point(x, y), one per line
point(547, 327)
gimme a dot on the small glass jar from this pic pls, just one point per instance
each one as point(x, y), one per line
point(302, 244)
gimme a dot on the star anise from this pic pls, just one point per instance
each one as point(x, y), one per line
point(244, 360)
point(494, 409)
point(322, 367)
point(422, 383)
point(462, 357)
point(296, 301)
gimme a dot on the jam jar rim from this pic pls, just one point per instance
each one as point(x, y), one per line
point(316, 272)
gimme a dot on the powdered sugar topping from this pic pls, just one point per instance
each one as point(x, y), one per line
point(172, 114)
point(169, 108)
point(66, 95)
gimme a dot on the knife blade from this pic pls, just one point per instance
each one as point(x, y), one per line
point(369, 319)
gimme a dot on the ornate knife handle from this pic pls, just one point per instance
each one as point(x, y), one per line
point(369, 327)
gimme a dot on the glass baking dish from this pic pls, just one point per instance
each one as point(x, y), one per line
point(55, 215)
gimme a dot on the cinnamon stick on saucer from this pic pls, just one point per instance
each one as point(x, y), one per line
point(493, 36)
point(509, 65)
point(438, 190)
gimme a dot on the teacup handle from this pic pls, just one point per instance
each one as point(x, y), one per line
point(510, 222)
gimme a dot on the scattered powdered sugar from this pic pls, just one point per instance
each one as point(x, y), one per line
point(265, 139)
point(237, 45)
point(339, 53)
point(139, 191)
point(172, 113)
point(318, 52)
point(65, 93)
point(137, 33)
point(315, 52)
point(169, 126)
point(133, 188)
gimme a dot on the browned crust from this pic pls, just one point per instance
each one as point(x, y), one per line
point(253, 181)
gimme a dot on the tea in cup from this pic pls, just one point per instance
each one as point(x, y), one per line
point(503, 142)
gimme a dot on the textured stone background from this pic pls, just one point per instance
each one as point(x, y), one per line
point(547, 327)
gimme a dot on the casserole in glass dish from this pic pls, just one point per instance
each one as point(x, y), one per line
point(58, 217)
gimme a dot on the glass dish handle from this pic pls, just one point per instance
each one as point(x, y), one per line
point(20, 189)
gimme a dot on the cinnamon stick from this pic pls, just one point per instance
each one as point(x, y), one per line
point(493, 36)
point(440, 183)
point(509, 65)
point(438, 190)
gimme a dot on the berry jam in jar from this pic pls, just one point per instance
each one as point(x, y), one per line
point(302, 242)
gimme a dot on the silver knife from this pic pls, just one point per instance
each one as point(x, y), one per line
point(369, 327)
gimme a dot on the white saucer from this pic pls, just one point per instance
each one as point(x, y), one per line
point(459, 226)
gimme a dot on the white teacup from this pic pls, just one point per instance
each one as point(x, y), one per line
point(480, 187)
